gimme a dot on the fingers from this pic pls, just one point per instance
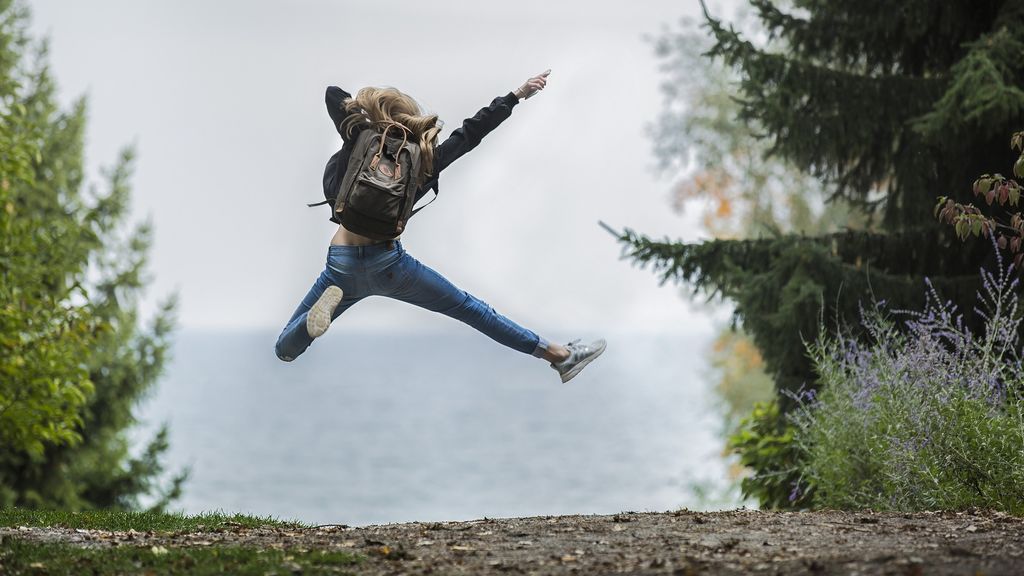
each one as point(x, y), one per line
point(540, 81)
point(536, 84)
point(542, 77)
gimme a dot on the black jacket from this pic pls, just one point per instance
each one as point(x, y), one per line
point(462, 140)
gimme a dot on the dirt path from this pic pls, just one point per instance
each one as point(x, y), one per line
point(736, 542)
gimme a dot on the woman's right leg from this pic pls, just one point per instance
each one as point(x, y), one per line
point(295, 338)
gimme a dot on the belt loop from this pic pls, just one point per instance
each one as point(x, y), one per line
point(391, 245)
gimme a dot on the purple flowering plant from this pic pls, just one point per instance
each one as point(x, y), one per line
point(925, 415)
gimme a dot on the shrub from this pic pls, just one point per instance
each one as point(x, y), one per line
point(765, 445)
point(924, 415)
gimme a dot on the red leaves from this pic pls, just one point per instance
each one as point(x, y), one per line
point(967, 219)
point(997, 188)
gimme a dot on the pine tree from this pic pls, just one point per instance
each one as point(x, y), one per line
point(75, 360)
point(889, 106)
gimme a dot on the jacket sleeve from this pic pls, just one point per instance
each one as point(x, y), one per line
point(335, 99)
point(472, 131)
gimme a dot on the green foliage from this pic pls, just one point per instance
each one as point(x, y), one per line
point(925, 417)
point(22, 557)
point(765, 444)
point(984, 93)
point(864, 102)
point(124, 520)
point(43, 384)
point(75, 358)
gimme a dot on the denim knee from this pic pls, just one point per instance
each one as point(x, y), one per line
point(279, 352)
point(471, 308)
point(280, 356)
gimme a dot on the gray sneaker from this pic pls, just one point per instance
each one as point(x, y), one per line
point(318, 319)
point(579, 356)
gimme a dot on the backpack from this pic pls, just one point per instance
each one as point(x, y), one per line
point(377, 193)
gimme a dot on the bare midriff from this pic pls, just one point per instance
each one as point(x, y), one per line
point(345, 238)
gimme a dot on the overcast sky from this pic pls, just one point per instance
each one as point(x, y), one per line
point(224, 102)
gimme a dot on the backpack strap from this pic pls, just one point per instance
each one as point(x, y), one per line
point(398, 155)
point(415, 210)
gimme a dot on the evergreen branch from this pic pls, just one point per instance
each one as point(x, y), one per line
point(717, 261)
point(777, 21)
point(984, 94)
point(869, 35)
point(782, 286)
point(836, 123)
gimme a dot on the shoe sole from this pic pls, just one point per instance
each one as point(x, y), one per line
point(579, 367)
point(318, 319)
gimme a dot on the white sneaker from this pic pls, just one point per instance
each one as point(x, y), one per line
point(318, 319)
point(579, 356)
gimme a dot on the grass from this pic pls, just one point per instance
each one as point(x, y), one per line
point(121, 520)
point(23, 557)
point(19, 557)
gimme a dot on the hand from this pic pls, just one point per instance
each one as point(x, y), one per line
point(533, 85)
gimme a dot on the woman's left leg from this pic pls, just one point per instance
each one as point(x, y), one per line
point(413, 282)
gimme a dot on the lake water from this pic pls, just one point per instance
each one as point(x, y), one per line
point(391, 428)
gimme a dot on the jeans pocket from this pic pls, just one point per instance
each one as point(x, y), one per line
point(397, 276)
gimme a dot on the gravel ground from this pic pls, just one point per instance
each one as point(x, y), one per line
point(683, 542)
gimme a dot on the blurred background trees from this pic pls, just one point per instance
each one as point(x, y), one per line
point(742, 190)
point(76, 358)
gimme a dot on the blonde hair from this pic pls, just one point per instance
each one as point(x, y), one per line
point(380, 105)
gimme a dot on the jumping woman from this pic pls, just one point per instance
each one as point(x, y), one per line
point(359, 266)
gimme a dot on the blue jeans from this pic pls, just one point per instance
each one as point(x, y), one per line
point(380, 270)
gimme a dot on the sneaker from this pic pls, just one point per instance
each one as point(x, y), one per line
point(579, 356)
point(318, 319)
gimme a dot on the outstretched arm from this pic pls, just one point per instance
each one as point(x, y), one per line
point(473, 129)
